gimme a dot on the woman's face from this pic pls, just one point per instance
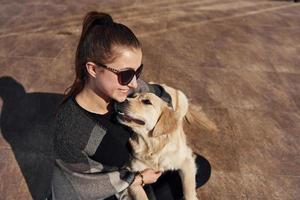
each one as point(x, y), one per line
point(106, 82)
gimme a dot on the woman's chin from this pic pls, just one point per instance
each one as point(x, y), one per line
point(120, 98)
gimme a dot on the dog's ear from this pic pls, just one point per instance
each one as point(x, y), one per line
point(179, 101)
point(167, 123)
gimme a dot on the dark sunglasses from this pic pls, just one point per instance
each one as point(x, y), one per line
point(126, 75)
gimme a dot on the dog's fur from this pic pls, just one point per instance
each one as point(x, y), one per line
point(160, 142)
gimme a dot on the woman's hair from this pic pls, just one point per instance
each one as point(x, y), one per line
point(100, 34)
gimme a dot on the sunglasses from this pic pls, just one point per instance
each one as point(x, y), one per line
point(126, 75)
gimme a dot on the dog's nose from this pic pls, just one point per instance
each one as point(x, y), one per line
point(124, 103)
point(120, 106)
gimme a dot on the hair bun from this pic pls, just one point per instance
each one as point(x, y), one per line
point(96, 18)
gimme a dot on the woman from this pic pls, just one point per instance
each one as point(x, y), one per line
point(91, 147)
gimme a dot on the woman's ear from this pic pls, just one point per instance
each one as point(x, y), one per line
point(91, 69)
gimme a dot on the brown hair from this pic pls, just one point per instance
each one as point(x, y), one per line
point(98, 37)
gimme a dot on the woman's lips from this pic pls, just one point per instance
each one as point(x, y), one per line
point(124, 91)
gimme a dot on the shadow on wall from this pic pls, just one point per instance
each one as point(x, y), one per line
point(25, 124)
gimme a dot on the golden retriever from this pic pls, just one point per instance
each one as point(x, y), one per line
point(160, 142)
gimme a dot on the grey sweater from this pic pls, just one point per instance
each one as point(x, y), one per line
point(76, 175)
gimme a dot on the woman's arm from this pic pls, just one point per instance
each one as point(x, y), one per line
point(90, 179)
point(76, 175)
point(147, 176)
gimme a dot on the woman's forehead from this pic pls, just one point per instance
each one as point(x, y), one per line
point(127, 58)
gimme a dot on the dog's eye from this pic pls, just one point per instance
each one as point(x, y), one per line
point(146, 101)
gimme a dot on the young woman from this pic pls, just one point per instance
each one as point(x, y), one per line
point(91, 147)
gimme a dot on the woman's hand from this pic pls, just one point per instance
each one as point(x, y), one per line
point(147, 176)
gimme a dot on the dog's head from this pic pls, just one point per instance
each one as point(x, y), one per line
point(149, 115)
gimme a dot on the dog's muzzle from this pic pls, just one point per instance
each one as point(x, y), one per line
point(120, 108)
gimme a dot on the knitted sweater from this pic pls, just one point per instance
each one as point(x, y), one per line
point(84, 168)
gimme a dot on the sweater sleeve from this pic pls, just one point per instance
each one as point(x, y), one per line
point(76, 175)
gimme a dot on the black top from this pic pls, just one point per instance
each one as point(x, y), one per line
point(113, 149)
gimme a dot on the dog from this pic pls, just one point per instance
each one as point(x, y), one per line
point(159, 141)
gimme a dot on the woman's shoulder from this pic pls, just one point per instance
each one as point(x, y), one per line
point(67, 108)
point(72, 125)
point(70, 114)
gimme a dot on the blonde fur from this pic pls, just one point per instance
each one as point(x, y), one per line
point(160, 143)
point(196, 117)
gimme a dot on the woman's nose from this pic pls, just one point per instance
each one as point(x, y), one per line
point(133, 83)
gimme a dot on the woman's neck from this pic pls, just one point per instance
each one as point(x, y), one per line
point(92, 102)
